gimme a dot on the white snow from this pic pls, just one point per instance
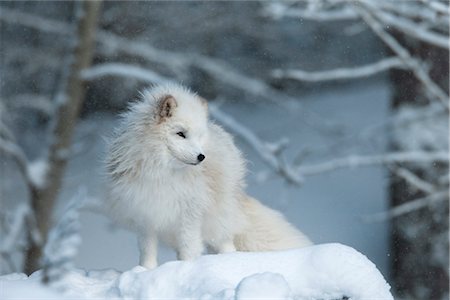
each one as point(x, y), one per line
point(37, 171)
point(428, 131)
point(328, 271)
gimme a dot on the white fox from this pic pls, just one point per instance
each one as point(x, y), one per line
point(177, 177)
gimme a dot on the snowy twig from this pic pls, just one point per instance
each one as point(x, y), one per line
point(408, 207)
point(414, 180)
point(278, 10)
point(404, 54)
point(270, 155)
point(362, 161)
point(341, 73)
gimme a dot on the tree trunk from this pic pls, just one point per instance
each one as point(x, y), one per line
point(43, 198)
point(419, 239)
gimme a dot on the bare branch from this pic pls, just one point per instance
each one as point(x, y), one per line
point(408, 207)
point(356, 161)
point(341, 73)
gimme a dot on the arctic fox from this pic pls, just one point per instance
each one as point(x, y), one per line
point(177, 177)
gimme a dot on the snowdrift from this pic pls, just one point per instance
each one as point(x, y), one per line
point(329, 271)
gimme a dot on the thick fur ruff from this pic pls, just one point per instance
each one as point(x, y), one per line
point(177, 177)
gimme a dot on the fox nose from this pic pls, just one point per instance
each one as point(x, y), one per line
point(200, 157)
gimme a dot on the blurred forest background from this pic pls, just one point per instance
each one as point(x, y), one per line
point(340, 107)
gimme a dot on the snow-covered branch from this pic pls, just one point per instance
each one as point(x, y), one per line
point(175, 61)
point(32, 21)
point(39, 103)
point(407, 26)
point(376, 15)
point(414, 180)
point(341, 73)
point(409, 207)
point(421, 74)
point(356, 161)
point(413, 18)
point(428, 17)
point(278, 10)
point(270, 155)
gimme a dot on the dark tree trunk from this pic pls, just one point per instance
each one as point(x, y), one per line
point(419, 239)
point(43, 198)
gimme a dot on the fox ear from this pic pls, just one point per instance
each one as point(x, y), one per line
point(166, 107)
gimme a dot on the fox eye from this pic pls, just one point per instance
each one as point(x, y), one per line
point(181, 133)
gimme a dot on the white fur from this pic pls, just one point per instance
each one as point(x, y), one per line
point(157, 191)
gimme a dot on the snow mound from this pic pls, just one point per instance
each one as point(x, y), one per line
point(329, 271)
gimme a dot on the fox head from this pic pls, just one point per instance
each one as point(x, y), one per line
point(180, 123)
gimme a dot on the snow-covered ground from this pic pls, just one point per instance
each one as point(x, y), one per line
point(329, 271)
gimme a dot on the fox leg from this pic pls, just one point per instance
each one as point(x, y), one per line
point(189, 242)
point(148, 247)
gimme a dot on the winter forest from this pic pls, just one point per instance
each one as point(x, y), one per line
point(339, 107)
